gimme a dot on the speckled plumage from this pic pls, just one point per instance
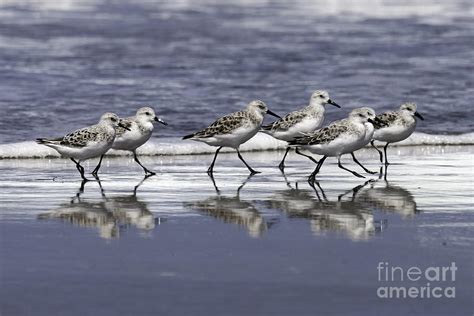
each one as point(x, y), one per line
point(136, 131)
point(329, 133)
point(81, 137)
point(290, 120)
point(298, 122)
point(387, 118)
point(229, 123)
point(87, 142)
point(395, 126)
point(233, 130)
point(339, 138)
point(127, 122)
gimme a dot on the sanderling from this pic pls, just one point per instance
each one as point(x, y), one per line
point(87, 142)
point(369, 133)
point(140, 129)
point(395, 126)
point(296, 123)
point(233, 130)
point(340, 137)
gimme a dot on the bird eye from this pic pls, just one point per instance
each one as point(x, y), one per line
point(114, 119)
point(147, 113)
point(321, 96)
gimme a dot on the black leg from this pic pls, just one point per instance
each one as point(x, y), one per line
point(79, 192)
point(307, 156)
point(80, 169)
point(138, 162)
point(288, 184)
point(385, 173)
point(214, 183)
point(100, 186)
point(385, 152)
point(282, 163)
point(380, 153)
point(342, 167)
point(210, 170)
point(312, 177)
point(246, 164)
point(94, 172)
point(311, 184)
point(357, 162)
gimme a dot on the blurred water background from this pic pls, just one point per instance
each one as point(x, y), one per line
point(62, 64)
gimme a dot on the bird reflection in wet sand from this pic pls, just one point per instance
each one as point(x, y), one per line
point(110, 215)
point(348, 217)
point(233, 210)
point(384, 196)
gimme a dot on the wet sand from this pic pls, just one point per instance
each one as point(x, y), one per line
point(179, 244)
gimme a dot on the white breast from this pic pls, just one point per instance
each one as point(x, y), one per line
point(131, 140)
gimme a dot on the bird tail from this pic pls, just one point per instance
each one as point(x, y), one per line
point(41, 141)
point(298, 140)
point(45, 141)
point(267, 127)
point(188, 136)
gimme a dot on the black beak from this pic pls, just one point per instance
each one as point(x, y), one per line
point(123, 126)
point(418, 115)
point(157, 119)
point(334, 103)
point(373, 122)
point(273, 114)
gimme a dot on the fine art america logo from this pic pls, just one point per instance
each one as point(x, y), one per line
point(416, 282)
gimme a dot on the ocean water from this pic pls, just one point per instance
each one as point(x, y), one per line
point(63, 64)
point(266, 245)
point(179, 243)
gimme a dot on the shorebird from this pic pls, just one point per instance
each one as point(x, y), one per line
point(396, 126)
point(138, 132)
point(340, 137)
point(233, 130)
point(87, 142)
point(303, 121)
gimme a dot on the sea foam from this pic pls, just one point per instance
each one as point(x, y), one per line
point(176, 146)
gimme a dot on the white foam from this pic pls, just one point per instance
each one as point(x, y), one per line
point(176, 146)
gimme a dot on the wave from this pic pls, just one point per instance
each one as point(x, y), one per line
point(176, 146)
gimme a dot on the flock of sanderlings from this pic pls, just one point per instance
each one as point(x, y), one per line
point(301, 129)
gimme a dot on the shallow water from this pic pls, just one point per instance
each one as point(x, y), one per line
point(180, 244)
point(63, 64)
point(269, 244)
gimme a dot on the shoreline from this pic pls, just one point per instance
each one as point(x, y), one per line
point(159, 241)
point(260, 143)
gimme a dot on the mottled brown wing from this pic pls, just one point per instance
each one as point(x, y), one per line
point(385, 119)
point(322, 136)
point(79, 138)
point(286, 122)
point(223, 125)
point(127, 122)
